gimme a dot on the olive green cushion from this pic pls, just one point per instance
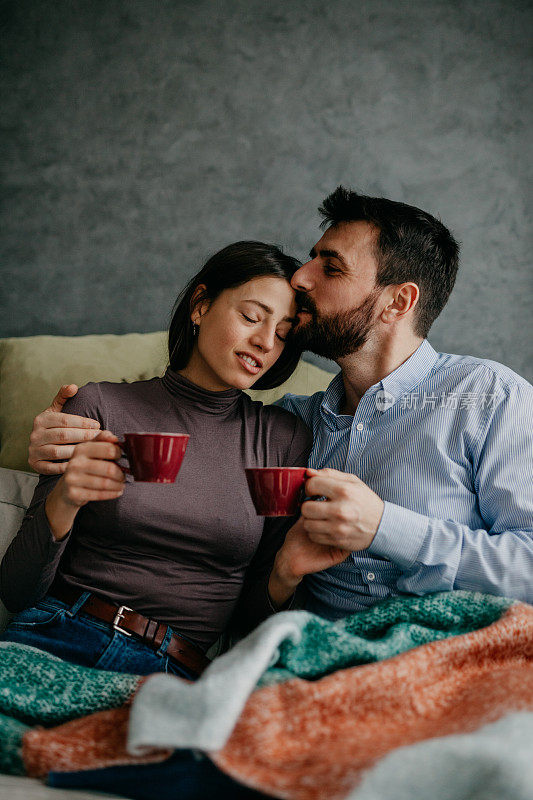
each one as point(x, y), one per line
point(33, 368)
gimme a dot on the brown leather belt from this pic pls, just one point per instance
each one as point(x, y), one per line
point(128, 622)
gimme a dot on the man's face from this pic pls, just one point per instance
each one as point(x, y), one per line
point(337, 288)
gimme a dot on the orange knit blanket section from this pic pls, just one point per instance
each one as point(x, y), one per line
point(314, 740)
point(97, 740)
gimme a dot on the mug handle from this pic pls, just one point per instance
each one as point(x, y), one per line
point(122, 444)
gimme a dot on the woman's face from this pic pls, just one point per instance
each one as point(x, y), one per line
point(241, 334)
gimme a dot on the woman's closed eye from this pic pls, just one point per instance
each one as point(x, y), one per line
point(284, 333)
point(255, 321)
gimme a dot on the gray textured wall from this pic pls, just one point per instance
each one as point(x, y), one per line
point(141, 136)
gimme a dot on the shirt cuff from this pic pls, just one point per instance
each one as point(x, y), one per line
point(400, 535)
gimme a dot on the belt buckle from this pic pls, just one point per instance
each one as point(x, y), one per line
point(118, 616)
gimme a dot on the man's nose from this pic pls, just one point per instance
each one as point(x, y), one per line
point(302, 279)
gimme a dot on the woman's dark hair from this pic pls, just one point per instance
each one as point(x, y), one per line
point(232, 266)
point(411, 245)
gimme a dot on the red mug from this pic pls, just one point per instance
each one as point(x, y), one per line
point(276, 491)
point(154, 457)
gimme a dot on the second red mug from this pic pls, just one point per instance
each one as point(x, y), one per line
point(276, 491)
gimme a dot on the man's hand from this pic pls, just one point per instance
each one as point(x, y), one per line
point(55, 433)
point(299, 556)
point(327, 531)
point(349, 517)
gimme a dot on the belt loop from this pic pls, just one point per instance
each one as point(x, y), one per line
point(82, 599)
point(164, 644)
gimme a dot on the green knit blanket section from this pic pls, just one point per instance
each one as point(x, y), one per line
point(11, 733)
point(384, 631)
point(39, 688)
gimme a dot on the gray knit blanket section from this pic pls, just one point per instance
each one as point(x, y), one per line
point(171, 713)
point(493, 763)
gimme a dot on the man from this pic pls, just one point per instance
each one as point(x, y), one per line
point(422, 460)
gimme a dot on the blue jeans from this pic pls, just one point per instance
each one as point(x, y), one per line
point(66, 632)
point(184, 776)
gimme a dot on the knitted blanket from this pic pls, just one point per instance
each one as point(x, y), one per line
point(312, 740)
point(37, 688)
point(334, 697)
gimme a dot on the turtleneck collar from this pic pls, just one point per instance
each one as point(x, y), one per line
point(202, 399)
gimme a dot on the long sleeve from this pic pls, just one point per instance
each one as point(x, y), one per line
point(440, 554)
point(30, 563)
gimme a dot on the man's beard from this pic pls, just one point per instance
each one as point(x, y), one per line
point(337, 335)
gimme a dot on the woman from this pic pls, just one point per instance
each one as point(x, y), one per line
point(140, 577)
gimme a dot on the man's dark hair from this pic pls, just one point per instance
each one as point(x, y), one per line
point(411, 246)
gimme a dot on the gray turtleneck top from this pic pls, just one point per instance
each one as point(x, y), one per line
point(177, 552)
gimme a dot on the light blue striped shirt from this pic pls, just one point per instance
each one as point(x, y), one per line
point(446, 442)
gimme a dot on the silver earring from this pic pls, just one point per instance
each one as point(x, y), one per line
point(194, 329)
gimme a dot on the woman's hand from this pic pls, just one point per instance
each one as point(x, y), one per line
point(55, 433)
point(90, 474)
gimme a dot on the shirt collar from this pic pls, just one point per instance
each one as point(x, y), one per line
point(403, 379)
point(409, 374)
point(333, 396)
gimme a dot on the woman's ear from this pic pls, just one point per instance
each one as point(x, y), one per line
point(199, 303)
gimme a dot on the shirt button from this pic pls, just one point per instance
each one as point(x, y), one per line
point(360, 426)
point(370, 576)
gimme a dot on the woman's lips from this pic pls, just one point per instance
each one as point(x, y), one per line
point(248, 367)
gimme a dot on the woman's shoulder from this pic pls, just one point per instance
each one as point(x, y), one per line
point(286, 432)
point(87, 397)
point(94, 398)
point(271, 413)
